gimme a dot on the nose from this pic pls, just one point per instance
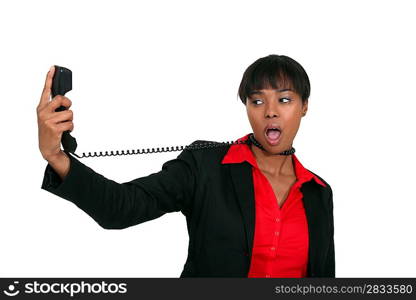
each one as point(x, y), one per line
point(271, 111)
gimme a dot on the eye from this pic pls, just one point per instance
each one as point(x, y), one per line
point(254, 101)
point(286, 99)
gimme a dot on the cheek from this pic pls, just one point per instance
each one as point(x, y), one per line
point(253, 114)
point(294, 124)
point(250, 116)
point(254, 120)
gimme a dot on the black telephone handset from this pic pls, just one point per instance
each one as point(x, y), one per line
point(62, 83)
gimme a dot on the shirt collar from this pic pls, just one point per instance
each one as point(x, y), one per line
point(238, 153)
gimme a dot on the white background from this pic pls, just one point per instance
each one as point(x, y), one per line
point(161, 73)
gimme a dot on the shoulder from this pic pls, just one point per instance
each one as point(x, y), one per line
point(328, 187)
point(209, 149)
point(206, 155)
point(323, 180)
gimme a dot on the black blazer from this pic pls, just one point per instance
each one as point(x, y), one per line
point(216, 199)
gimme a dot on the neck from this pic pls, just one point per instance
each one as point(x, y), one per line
point(276, 165)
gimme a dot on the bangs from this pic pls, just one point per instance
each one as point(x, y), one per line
point(274, 72)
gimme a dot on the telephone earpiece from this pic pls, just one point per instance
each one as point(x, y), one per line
point(61, 82)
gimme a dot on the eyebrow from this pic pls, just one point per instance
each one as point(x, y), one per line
point(260, 92)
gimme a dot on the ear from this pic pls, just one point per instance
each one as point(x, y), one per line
point(304, 108)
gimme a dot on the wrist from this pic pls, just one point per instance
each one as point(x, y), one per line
point(52, 159)
point(61, 164)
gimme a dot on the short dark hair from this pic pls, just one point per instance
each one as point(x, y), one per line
point(275, 71)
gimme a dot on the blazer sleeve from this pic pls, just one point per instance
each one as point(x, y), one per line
point(330, 261)
point(120, 205)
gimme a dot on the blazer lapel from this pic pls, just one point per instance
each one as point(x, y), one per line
point(317, 220)
point(242, 179)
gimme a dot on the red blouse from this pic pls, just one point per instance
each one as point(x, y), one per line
point(281, 238)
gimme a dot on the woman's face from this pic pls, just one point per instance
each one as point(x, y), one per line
point(277, 107)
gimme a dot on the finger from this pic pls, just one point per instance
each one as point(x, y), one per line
point(57, 102)
point(62, 116)
point(55, 123)
point(46, 93)
point(65, 126)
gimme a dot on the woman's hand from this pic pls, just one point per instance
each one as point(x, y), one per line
point(52, 124)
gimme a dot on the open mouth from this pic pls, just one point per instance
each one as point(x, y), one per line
point(273, 135)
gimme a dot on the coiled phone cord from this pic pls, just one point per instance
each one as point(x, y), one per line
point(68, 147)
point(205, 145)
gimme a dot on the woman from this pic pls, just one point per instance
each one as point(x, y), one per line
point(252, 209)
